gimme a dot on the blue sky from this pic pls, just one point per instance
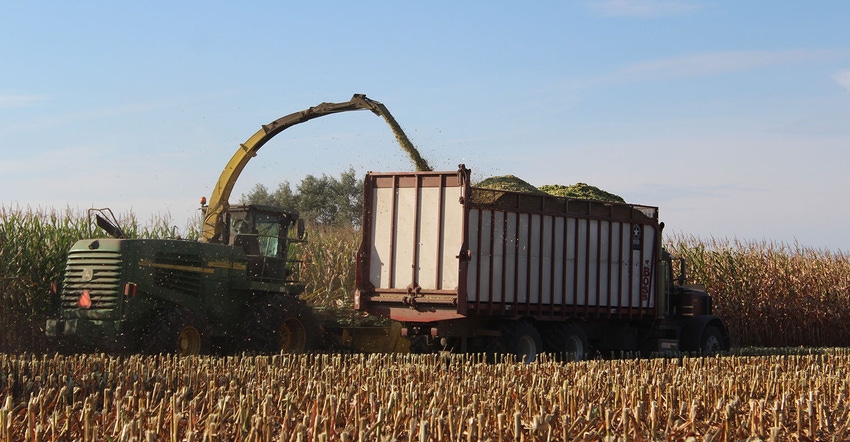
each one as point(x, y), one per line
point(732, 116)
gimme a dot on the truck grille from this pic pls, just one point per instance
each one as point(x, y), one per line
point(95, 271)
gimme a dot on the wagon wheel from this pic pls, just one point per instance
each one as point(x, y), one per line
point(567, 341)
point(519, 338)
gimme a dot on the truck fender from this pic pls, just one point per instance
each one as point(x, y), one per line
point(691, 333)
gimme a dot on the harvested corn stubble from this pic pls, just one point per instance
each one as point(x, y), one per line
point(425, 397)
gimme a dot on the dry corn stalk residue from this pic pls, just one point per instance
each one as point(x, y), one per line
point(423, 397)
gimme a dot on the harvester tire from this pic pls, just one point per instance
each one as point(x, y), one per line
point(280, 324)
point(178, 331)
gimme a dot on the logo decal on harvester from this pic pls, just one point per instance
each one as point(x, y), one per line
point(88, 274)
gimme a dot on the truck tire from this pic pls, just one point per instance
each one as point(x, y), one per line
point(421, 344)
point(178, 331)
point(712, 341)
point(280, 324)
point(568, 342)
point(519, 339)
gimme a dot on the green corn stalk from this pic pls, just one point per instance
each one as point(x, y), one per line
point(33, 248)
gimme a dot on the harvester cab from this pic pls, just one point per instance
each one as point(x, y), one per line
point(265, 234)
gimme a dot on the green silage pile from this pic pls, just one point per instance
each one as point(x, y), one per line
point(512, 183)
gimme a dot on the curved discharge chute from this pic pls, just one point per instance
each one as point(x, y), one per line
point(218, 203)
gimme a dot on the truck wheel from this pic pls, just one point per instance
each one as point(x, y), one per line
point(280, 324)
point(178, 331)
point(521, 339)
point(567, 341)
point(712, 340)
point(421, 344)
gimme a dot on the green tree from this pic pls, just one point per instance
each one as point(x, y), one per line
point(321, 200)
point(282, 197)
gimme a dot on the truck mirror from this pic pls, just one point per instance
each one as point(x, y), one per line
point(300, 230)
point(681, 271)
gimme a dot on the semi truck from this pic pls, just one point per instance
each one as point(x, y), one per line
point(480, 270)
point(234, 290)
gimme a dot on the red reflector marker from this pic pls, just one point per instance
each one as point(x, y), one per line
point(85, 300)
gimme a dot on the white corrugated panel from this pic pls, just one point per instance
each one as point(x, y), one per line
point(533, 258)
point(420, 230)
point(382, 237)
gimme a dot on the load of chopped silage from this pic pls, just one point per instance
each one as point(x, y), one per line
point(507, 182)
point(581, 190)
point(512, 183)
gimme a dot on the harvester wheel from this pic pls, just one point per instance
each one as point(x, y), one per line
point(178, 331)
point(280, 324)
point(63, 347)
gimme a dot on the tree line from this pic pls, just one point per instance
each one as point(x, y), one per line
point(322, 201)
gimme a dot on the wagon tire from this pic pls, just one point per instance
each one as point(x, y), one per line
point(519, 339)
point(568, 342)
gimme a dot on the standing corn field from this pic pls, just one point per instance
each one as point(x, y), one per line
point(773, 294)
point(423, 397)
point(32, 255)
point(33, 249)
point(328, 265)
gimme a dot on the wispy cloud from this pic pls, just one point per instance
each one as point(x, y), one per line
point(643, 8)
point(13, 101)
point(713, 63)
point(843, 79)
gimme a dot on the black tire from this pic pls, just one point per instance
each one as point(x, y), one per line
point(712, 340)
point(421, 344)
point(568, 342)
point(178, 331)
point(280, 324)
point(63, 346)
point(519, 339)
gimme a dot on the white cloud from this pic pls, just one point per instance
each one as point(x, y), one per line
point(643, 8)
point(13, 101)
point(714, 63)
point(843, 79)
